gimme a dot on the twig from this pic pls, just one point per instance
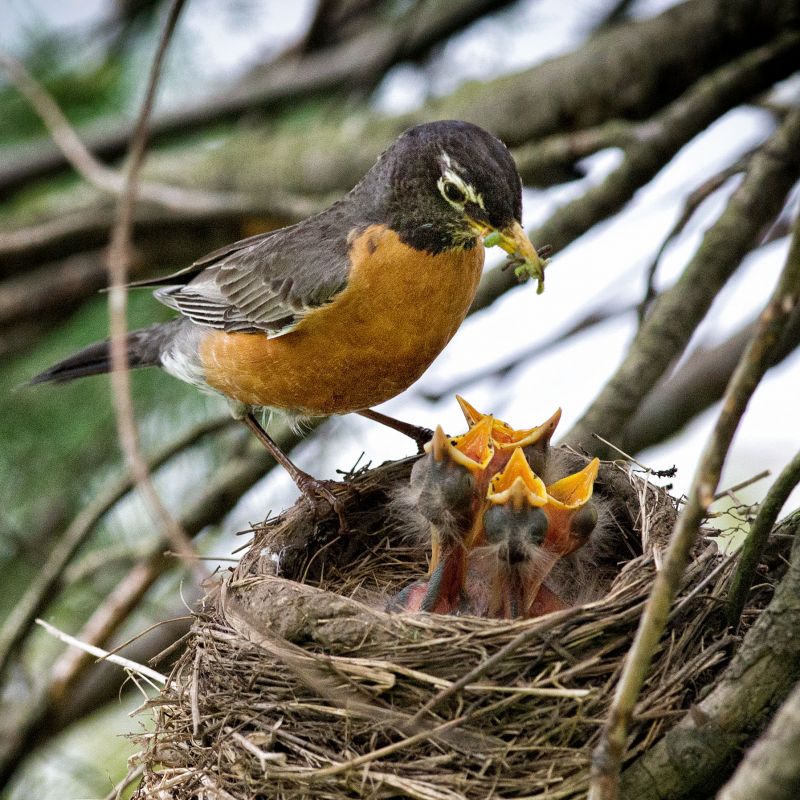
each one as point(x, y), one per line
point(94, 171)
point(737, 487)
point(133, 774)
point(756, 540)
point(44, 587)
point(119, 258)
point(690, 206)
point(105, 620)
point(98, 652)
point(554, 619)
point(758, 357)
point(589, 320)
point(696, 385)
point(668, 328)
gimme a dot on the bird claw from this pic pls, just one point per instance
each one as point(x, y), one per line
point(321, 498)
point(422, 437)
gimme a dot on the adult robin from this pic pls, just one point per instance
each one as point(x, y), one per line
point(347, 308)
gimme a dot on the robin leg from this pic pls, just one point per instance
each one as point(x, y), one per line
point(311, 487)
point(420, 435)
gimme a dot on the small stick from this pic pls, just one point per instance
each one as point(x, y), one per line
point(104, 655)
point(757, 359)
point(743, 485)
point(756, 540)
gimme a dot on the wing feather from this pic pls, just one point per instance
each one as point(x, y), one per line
point(266, 283)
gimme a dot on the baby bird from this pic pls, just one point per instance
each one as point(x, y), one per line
point(527, 528)
point(535, 442)
point(445, 488)
point(506, 570)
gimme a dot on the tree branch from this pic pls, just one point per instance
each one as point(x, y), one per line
point(611, 76)
point(697, 385)
point(609, 752)
point(693, 757)
point(667, 330)
point(770, 769)
point(756, 541)
point(119, 259)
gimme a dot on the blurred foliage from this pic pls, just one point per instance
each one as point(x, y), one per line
point(84, 94)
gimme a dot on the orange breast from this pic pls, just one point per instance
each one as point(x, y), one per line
point(399, 309)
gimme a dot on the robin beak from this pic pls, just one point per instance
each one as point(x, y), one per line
point(504, 437)
point(541, 434)
point(571, 515)
point(513, 239)
point(517, 484)
point(473, 450)
point(574, 491)
point(502, 432)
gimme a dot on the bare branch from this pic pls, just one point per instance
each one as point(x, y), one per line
point(770, 769)
point(697, 385)
point(98, 652)
point(119, 258)
point(589, 320)
point(678, 311)
point(758, 357)
point(756, 542)
point(690, 206)
point(44, 588)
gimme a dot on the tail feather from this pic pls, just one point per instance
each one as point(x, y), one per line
point(144, 350)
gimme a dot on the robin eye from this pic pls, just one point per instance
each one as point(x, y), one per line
point(453, 192)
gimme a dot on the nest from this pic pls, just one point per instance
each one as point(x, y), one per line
point(297, 683)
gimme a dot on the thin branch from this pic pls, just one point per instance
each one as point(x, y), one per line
point(90, 168)
point(104, 622)
point(98, 652)
point(756, 541)
point(609, 752)
point(119, 259)
point(133, 775)
point(695, 199)
point(45, 586)
point(697, 385)
point(668, 329)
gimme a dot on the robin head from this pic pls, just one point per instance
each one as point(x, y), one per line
point(445, 185)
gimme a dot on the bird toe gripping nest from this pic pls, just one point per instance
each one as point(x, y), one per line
point(298, 682)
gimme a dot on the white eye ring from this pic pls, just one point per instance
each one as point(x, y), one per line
point(453, 193)
point(458, 193)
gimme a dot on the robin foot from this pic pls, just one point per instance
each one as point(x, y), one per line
point(313, 489)
point(317, 492)
point(420, 435)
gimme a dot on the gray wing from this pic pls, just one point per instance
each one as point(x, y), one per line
point(266, 283)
